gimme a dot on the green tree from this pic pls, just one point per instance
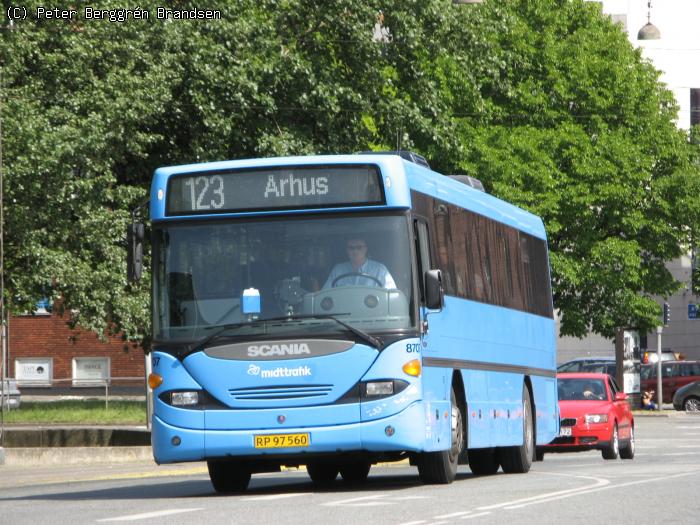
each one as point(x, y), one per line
point(548, 103)
point(544, 100)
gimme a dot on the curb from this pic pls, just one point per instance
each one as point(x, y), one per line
point(75, 455)
point(61, 437)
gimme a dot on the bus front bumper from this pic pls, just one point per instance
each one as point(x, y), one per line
point(405, 431)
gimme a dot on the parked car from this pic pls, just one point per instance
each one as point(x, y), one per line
point(674, 374)
point(603, 367)
point(577, 365)
point(10, 394)
point(688, 397)
point(595, 415)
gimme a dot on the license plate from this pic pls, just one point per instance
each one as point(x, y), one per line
point(565, 431)
point(281, 440)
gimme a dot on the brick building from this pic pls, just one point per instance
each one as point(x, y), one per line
point(47, 356)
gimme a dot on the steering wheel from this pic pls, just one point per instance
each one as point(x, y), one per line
point(356, 274)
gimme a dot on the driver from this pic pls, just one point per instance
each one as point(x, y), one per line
point(590, 391)
point(352, 273)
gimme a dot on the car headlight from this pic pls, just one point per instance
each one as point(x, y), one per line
point(596, 418)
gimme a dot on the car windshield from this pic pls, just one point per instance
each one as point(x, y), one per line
point(356, 268)
point(581, 389)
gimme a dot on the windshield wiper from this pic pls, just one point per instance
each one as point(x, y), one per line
point(200, 345)
point(367, 338)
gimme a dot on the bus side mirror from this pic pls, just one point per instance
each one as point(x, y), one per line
point(134, 256)
point(434, 293)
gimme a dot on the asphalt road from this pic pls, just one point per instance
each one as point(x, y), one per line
point(659, 486)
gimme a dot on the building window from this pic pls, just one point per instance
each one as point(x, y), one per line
point(90, 371)
point(34, 371)
point(694, 106)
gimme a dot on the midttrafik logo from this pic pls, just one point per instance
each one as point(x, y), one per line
point(280, 371)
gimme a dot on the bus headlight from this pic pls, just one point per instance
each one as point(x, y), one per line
point(184, 399)
point(380, 388)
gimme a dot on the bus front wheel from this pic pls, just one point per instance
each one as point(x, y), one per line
point(228, 476)
point(441, 467)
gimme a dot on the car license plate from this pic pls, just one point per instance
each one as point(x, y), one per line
point(281, 440)
point(565, 431)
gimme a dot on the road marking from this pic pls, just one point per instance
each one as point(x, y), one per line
point(371, 501)
point(147, 515)
point(590, 490)
point(270, 497)
point(599, 482)
point(475, 515)
point(364, 501)
point(453, 515)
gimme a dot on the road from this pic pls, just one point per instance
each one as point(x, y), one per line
point(659, 485)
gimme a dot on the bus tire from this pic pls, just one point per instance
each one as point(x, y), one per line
point(518, 459)
point(441, 467)
point(355, 472)
point(483, 461)
point(228, 476)
point(322, 474)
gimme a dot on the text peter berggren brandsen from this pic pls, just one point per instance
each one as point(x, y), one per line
point(125, 14)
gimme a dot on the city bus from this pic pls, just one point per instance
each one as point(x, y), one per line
point(338, 311)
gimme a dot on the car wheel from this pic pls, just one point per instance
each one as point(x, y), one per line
point(691, 404)
point(628, 451)
point(539, 455)
point(613, 448)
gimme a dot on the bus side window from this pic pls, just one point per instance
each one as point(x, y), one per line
point(423, 253)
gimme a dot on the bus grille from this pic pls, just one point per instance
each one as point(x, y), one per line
point(280, 392)
point(568, 422)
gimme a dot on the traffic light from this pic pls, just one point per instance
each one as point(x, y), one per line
point(667, 314)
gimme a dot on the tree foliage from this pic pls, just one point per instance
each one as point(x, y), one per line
point(546, 101)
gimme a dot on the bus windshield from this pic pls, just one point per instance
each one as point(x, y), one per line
point(356, 268)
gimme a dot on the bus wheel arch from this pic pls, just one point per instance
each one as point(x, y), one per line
point(461, 395)
point(518, 459)
point(440, 467)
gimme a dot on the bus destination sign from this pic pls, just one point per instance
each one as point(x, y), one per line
point(274, 188)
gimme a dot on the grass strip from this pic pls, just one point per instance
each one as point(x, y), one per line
point(78, 412)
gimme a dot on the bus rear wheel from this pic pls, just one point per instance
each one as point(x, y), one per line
point(518, 459)
point(228, 476)
point(441, 467)
point(355, 472)
point(483, 461)
point(322, 474)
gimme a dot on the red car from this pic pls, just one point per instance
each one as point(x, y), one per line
point(594, 414)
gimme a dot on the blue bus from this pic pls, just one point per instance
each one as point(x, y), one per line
point(343, 310)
